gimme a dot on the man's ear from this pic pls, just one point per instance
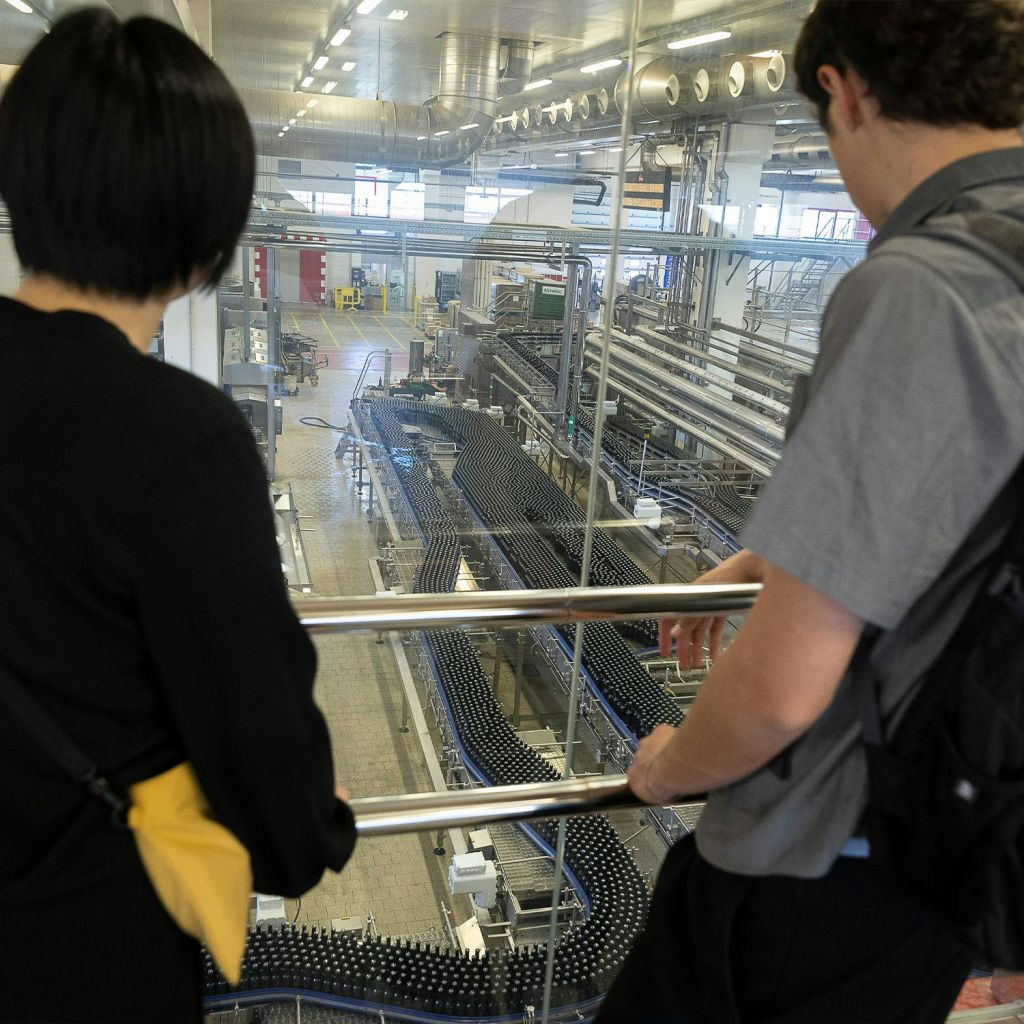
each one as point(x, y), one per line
point(847, 91)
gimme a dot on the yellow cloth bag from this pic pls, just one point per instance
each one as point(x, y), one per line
point(200, 871)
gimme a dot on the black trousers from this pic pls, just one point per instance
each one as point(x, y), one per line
point(107, 952)
point(853, 947)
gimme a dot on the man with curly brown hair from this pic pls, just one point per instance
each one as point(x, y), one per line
point(875, 533)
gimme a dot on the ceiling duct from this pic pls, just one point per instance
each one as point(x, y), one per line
point(445, 130)
point(651, 88)
point(518, 67)
point(801, 152)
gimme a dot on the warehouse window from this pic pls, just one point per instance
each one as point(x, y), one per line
point(483, 204)
point(408, 200)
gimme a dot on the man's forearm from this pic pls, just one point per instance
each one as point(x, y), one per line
point(725, 737)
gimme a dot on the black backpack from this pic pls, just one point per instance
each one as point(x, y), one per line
point(946, 804)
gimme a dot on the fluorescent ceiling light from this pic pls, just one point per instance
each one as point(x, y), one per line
point(367, 6)
point(617, 149)
point(539, 84)
point(601, 65)
point(320, 63)
point(280, 135)
point(18, 5)
point(442, 132)
point(330, 86)
point(707, 37)
point(307, 81)
point(311, 104)
point(586, 152)
point(421, 138)
point(466, 127)
point(561, 154)
point(348, 65)
point(302, 112)
point(285, 128)
point(397, 15)
point(340, 36)
point(292, 121)
point(767, 53)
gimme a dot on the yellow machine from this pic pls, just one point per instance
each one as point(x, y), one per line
point(348, 298)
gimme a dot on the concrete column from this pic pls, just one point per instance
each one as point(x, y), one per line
point(749, 145)
point(191, 336)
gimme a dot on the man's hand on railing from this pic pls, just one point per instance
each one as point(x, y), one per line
point(641, 780)
point(690, 634)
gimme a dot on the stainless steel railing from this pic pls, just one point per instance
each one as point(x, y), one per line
point(419, 812)
point(520, 607)
point(416, 812)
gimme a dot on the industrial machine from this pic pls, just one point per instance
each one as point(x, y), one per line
point(446, 288)
point(301, 360)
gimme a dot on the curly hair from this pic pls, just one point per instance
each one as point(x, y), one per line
point(941, 63)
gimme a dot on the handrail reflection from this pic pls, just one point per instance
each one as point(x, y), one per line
point(383, 612)
point(420, 812)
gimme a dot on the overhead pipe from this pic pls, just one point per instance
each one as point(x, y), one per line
point(445, 130)
point(801, 151)
point(518, 67)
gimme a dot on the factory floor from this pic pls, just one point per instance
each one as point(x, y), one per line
point(358, 687)
point(400, 880)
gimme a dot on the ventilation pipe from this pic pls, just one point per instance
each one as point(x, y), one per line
point(518, 67)
point(801, 151)
point(445, 130)
point(733, 82)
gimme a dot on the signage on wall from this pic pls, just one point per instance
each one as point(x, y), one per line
point(647, 190)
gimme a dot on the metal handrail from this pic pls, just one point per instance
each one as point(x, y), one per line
point(383, 612)
point(420, 812)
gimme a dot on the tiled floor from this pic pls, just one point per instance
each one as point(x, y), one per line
point(358, 688)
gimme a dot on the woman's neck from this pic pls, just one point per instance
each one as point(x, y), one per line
point(137, 319)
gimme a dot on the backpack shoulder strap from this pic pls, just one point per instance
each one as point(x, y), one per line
point(999, 240)
point(75, 763)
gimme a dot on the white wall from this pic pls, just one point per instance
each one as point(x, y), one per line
point(551, 204)
point(10, 269)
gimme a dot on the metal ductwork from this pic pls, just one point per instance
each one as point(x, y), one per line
point(445, 130)
point(802, 151)
point(518, 67)
point(668, 86)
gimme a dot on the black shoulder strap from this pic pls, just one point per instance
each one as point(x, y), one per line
point(1001, 238)
point(76, 764)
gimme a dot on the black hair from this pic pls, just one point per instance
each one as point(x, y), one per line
point(948, 63)
point(126, 158)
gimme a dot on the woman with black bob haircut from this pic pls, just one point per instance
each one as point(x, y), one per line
point(142, 605)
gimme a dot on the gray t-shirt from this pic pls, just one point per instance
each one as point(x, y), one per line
point(890, 494)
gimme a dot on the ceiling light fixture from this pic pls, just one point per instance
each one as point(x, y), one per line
point(340, 36)
point(767, 53)
point(561, 154)
point(601, 65)
point(707, 37)
point(617, 149)
point(367, 6)
point(321, 62)
point(302, 112)
point(586, 152)
point(292, 120)
point(311, 104)
point(421, 138)
point(285, 128)
point(348, 65)
point(307, 81)
point(539, 84)
point(397, 15)
point(330, 86)
point(472, 124)
point(19, 5)
point(444, 131)
point(280, 135)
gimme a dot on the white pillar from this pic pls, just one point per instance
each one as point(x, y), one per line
point(190, 335)
point(749, 145)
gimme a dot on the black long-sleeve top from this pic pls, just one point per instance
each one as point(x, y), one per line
point(142, 603)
